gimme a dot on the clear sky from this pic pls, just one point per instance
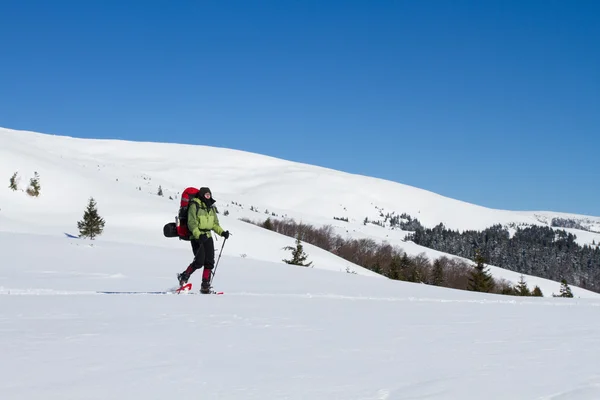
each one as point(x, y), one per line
point(492, 102)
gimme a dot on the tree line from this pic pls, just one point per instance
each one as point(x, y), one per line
point(533, 250)
point(394, 263)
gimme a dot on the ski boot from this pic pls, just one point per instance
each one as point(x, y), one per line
point(182, 278)
point(205, 287)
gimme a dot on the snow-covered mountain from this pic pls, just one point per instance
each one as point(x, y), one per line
point(279, 331)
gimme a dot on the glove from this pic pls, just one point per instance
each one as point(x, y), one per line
point(225, 234)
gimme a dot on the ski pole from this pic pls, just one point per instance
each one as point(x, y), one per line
point(217, 264)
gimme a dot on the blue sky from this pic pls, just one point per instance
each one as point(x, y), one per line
point(492, 102)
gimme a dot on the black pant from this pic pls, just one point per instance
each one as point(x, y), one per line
point(204, 253)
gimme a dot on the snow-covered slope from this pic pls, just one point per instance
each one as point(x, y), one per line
point(124, 177)
point(279, 331)
point(280, 185)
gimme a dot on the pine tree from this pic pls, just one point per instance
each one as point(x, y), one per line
point(537, 292)
point(298, 255)
point(407, 269)
point(34, 186)
point(376, 268)
point(437, 275)
point(160, 192)
point(394, 268)
point(268, 224)
point(92, 224)
point(565, 290)
point(481, 280)
point(14, 181)
point(521, 289)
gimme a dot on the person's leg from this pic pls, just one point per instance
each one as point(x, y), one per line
point(199, 254)
point(195, 244)
point(209, 263)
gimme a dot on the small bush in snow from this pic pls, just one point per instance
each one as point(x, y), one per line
point(14, 181)
point(34, 186)
point(506, 287)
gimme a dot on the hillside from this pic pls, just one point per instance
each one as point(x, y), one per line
point(335, 331)
point(124, 178)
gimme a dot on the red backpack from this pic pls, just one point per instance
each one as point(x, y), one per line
point(179, 228)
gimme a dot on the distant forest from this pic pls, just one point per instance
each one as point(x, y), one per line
point(533, 250)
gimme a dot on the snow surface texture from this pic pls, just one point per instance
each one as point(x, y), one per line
point(280, 331)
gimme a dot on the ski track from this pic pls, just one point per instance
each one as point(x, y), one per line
point(332, 296)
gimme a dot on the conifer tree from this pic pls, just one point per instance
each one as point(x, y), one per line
point(481, 280)
point(565, 290)
point(521, 289)
point(92, 224)
point(376, 268)
point(407, 269)
point(160, 192)
point(34, 185)
point(394, 268)
point(268, 224)
point(298, 255)
point(13, 181)
point(537, 292)
point(437, 275)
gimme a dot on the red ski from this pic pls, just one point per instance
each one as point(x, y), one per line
point(185, 288)
point(188, 288)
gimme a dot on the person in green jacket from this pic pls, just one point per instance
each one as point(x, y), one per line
point(202, 219)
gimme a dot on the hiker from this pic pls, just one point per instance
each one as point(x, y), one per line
point(201, 220)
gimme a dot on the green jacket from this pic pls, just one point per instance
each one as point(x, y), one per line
point(201, 219)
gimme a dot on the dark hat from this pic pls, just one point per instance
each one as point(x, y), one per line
point(202, 192)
